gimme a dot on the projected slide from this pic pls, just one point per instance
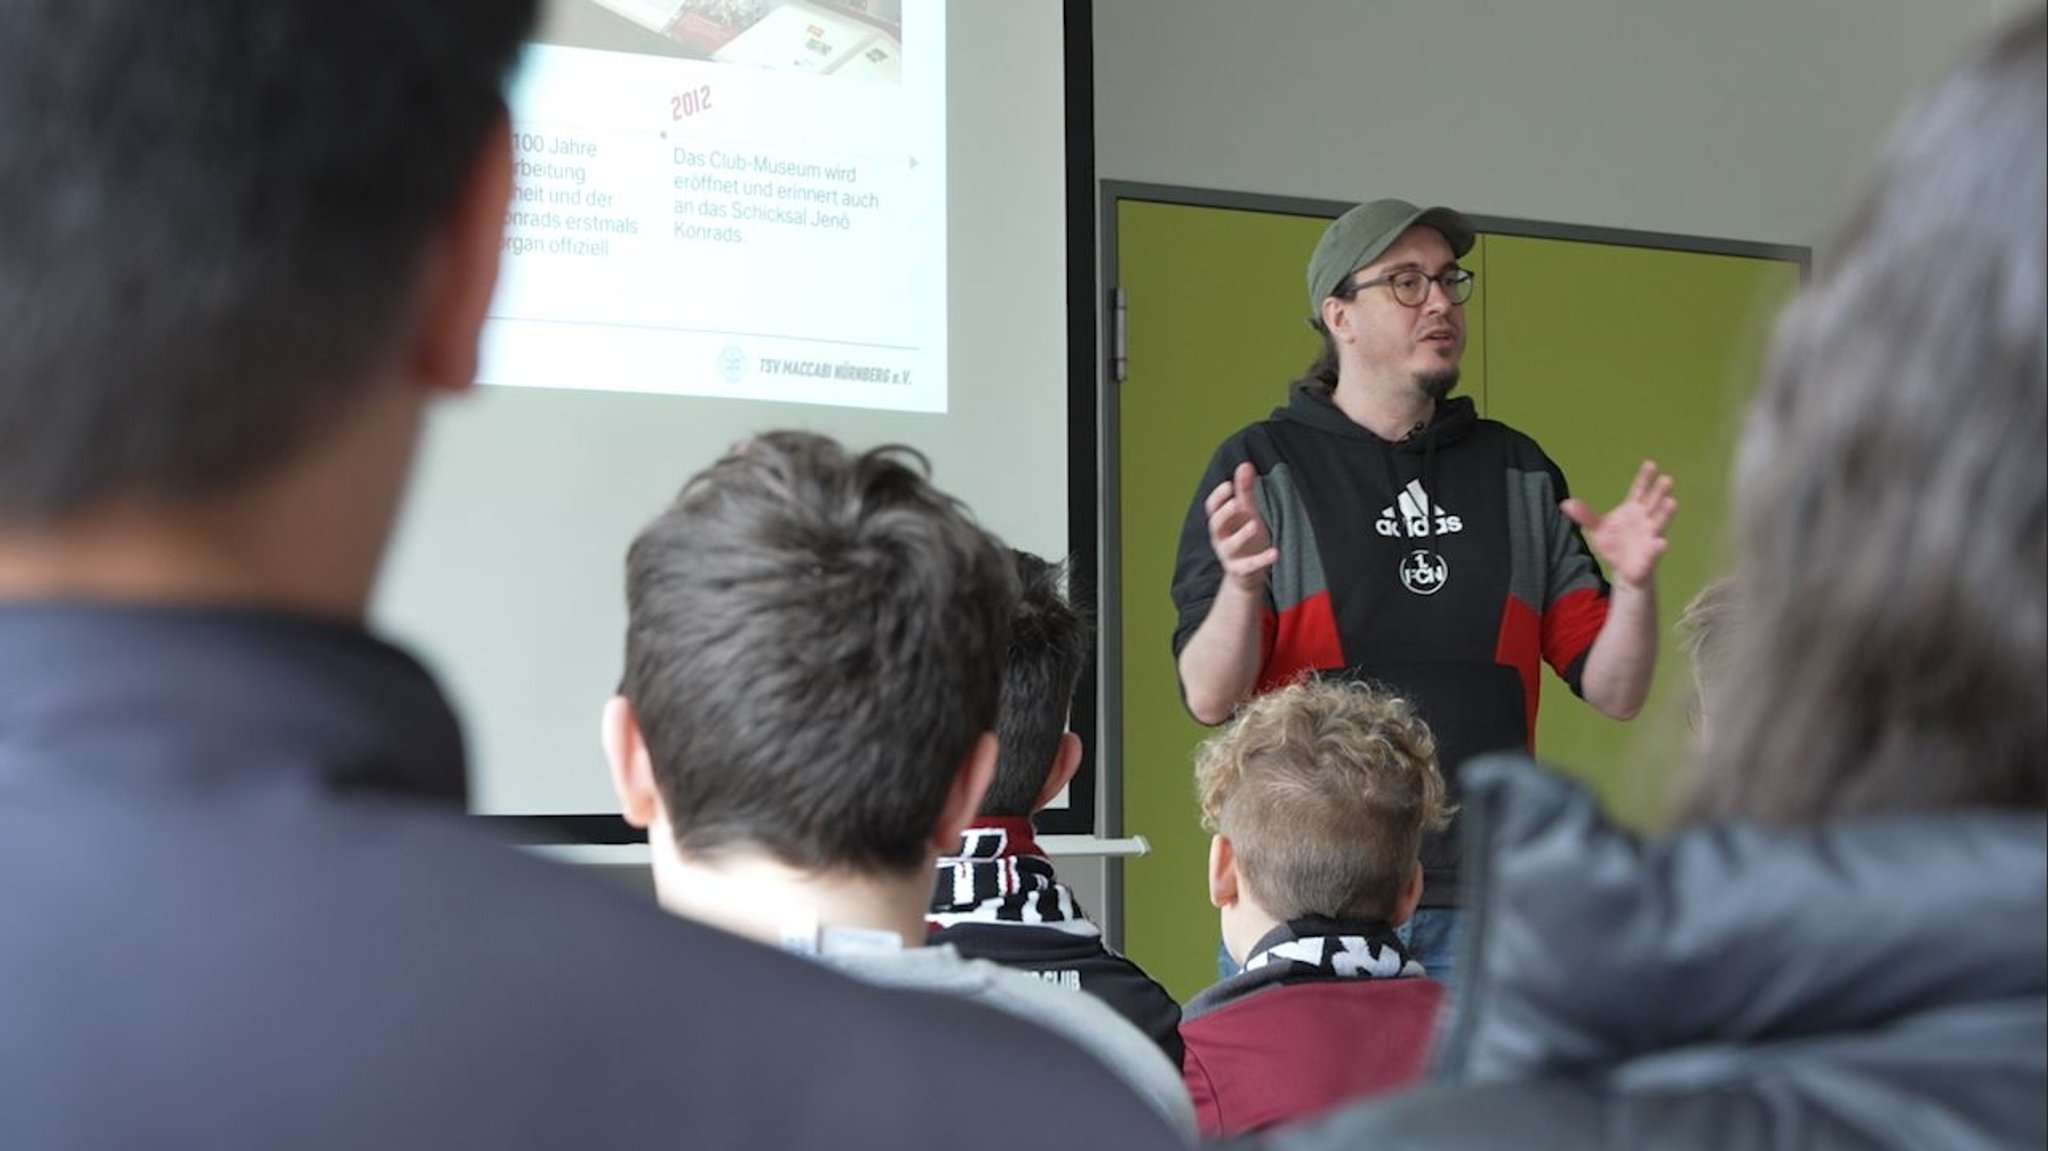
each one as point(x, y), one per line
point(735, 198)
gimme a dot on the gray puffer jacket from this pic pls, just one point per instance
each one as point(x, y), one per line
point(1874, 984)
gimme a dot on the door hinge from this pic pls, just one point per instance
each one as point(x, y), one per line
point(1119, 350)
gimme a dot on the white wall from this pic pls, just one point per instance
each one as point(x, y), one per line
point(1742, 119)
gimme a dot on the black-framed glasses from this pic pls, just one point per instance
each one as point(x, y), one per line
point(1411, 287)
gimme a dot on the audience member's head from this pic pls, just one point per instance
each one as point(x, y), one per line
point(813, 661)
point(236, 245)
point(1037, 754)
point(1705, 627)
point(1317, 796)
point(1892, 487)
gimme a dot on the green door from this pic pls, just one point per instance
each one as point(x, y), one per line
point(1609, 355)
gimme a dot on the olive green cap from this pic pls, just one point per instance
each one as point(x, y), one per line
point(1357, 238)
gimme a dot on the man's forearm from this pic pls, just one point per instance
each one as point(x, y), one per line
point(1616, 679)
point(1220, 663)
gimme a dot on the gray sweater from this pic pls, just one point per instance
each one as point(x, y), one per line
point(1080, 1017)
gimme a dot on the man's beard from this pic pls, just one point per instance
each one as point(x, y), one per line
point(1437, 385)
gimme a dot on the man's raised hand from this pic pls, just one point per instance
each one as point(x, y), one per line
point(1630, 538)
point(1237, 533)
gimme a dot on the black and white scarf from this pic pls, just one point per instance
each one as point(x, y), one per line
point(1346, 948)
point(999, 875)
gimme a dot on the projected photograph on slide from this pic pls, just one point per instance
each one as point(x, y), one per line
point(851, 39)
point(709, 204)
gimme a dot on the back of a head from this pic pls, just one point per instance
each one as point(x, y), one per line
point(1892, 486)
point(212, 217)
point(1324, 789)
point(815, 643)
point(1048, 645)
point(1706, 626)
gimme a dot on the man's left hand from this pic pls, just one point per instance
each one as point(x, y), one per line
point(1630, 538)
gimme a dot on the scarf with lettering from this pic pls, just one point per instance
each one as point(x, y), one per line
point(1347, 948)
point(999, 875)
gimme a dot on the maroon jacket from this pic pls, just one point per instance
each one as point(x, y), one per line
point(1275, 1044)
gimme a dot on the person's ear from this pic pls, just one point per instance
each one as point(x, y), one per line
point(1065, 762)
point(632, 769)
point(1337, 318)
point(460, 271)
point(963, 799)
point(1222, 872)
point(1410, 899)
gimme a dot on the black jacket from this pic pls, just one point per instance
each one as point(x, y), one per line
point(1082, 962)
point(998, 897)
point(239, 907)
point(1874, 984)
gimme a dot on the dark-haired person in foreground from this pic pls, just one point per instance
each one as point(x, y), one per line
point(1845, 944)
point(998, 896)
point(814, 654)
point(243, 245)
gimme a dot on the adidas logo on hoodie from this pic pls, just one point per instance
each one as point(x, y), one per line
point(1411, 514)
